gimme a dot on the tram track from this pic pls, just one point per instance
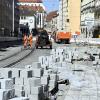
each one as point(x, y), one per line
point(16, 58)
point(11, 55)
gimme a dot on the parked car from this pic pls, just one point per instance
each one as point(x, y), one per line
point(43, 40)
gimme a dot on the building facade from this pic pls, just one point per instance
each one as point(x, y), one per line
point(6, 18)
point(87, 17)
point(96, 33)
point(32, 13)
point(69, 16)
point(63, 15)
point(52, 21)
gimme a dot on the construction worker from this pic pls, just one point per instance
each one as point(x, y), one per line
point(30, 39)
point(25, 41)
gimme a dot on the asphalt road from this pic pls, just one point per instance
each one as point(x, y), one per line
point(35, 55)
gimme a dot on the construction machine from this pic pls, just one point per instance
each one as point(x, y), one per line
point(62, 37)
point(43, 40)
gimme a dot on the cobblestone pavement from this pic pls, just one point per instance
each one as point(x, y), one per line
point(86, 87)
point(87, 83)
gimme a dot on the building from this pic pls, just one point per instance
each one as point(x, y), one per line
point(90, 18)
point(9, 20)
point(63, 15)
point(32, 13)
point(52, 21)
point(69, 16)
point(87, 17)
point(96, 32)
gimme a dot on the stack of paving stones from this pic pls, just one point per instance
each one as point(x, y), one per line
point(29, 82)
point(47, 77)
point(7, 90)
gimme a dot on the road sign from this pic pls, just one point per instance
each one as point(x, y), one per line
point(74, 35)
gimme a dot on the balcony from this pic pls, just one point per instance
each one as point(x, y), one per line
point(82, 23)
point(97, 22)
point(89, 5)
point(97, 4)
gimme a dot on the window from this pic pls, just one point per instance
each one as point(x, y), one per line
point(67, 20)
point(14, 80)
point(81, 0)
point(19, 73)
point(29, 74)
point(10, 74)
point(81, 29)
point(21, 17)
point(24, 17)
point(0, 85)
point(67, 3)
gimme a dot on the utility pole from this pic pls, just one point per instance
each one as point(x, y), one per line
point(13, 16)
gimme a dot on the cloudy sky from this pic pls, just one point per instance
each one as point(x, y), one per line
point(51, 5)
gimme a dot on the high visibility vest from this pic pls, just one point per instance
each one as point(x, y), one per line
point(30, 38)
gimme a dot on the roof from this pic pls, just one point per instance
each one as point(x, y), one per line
point(31, 1)
point(26, 10)
point(51, 15)
point(34, 8)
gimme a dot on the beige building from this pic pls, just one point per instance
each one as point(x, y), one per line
point(74, 15)
point(69, 15)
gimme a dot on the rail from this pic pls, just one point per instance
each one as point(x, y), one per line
point(14, 59)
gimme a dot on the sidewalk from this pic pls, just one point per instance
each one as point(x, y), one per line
point(10, 51)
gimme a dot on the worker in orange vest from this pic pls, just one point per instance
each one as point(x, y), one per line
point(25, 40)
point(30, 39)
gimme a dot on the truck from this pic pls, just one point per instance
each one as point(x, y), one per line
point(62, 37)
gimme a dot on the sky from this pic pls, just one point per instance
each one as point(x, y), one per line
point(51, 5)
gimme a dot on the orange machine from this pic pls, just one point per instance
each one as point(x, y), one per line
point(63, 37)
point(77, 32)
